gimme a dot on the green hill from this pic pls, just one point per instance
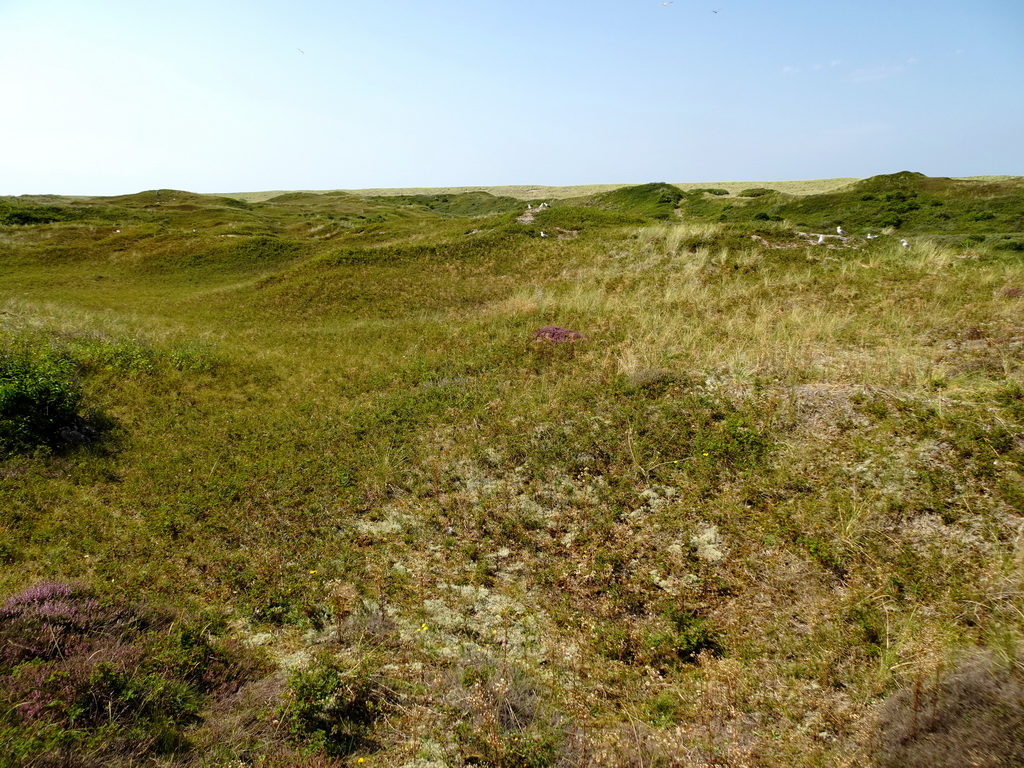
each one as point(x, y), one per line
point(656, 201)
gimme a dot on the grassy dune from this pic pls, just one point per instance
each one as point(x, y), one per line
point(766, 511)
point(538, 192)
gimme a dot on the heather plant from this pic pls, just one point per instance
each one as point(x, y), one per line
point(53, 620)
point(81, 674)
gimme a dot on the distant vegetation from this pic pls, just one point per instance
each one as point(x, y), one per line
point(652, 475)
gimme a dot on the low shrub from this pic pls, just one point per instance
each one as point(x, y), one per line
point(331, 707)
point(679, 637)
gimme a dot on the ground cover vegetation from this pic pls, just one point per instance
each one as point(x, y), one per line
point(393, 480)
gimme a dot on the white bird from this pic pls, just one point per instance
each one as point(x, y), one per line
point(871, 237)
point(529, 207)
point(669, 2)
point(904, 243)
point(821, 239)
point(543, 233)
point(840, 230)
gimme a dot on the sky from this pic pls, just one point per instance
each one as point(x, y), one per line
point(111, 97)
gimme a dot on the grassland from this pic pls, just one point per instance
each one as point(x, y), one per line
point(291, 481)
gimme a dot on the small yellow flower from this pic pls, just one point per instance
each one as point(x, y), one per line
point(312, 571)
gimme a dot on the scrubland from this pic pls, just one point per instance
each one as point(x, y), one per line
point(294, 482)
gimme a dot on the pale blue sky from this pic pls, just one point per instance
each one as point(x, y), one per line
point(118, 96)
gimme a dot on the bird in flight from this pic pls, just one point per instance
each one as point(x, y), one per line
point(668, 3)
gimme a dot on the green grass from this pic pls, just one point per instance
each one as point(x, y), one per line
point(774, 485)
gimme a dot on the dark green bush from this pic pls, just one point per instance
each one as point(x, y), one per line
point(40, 401)
point(756, 192)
